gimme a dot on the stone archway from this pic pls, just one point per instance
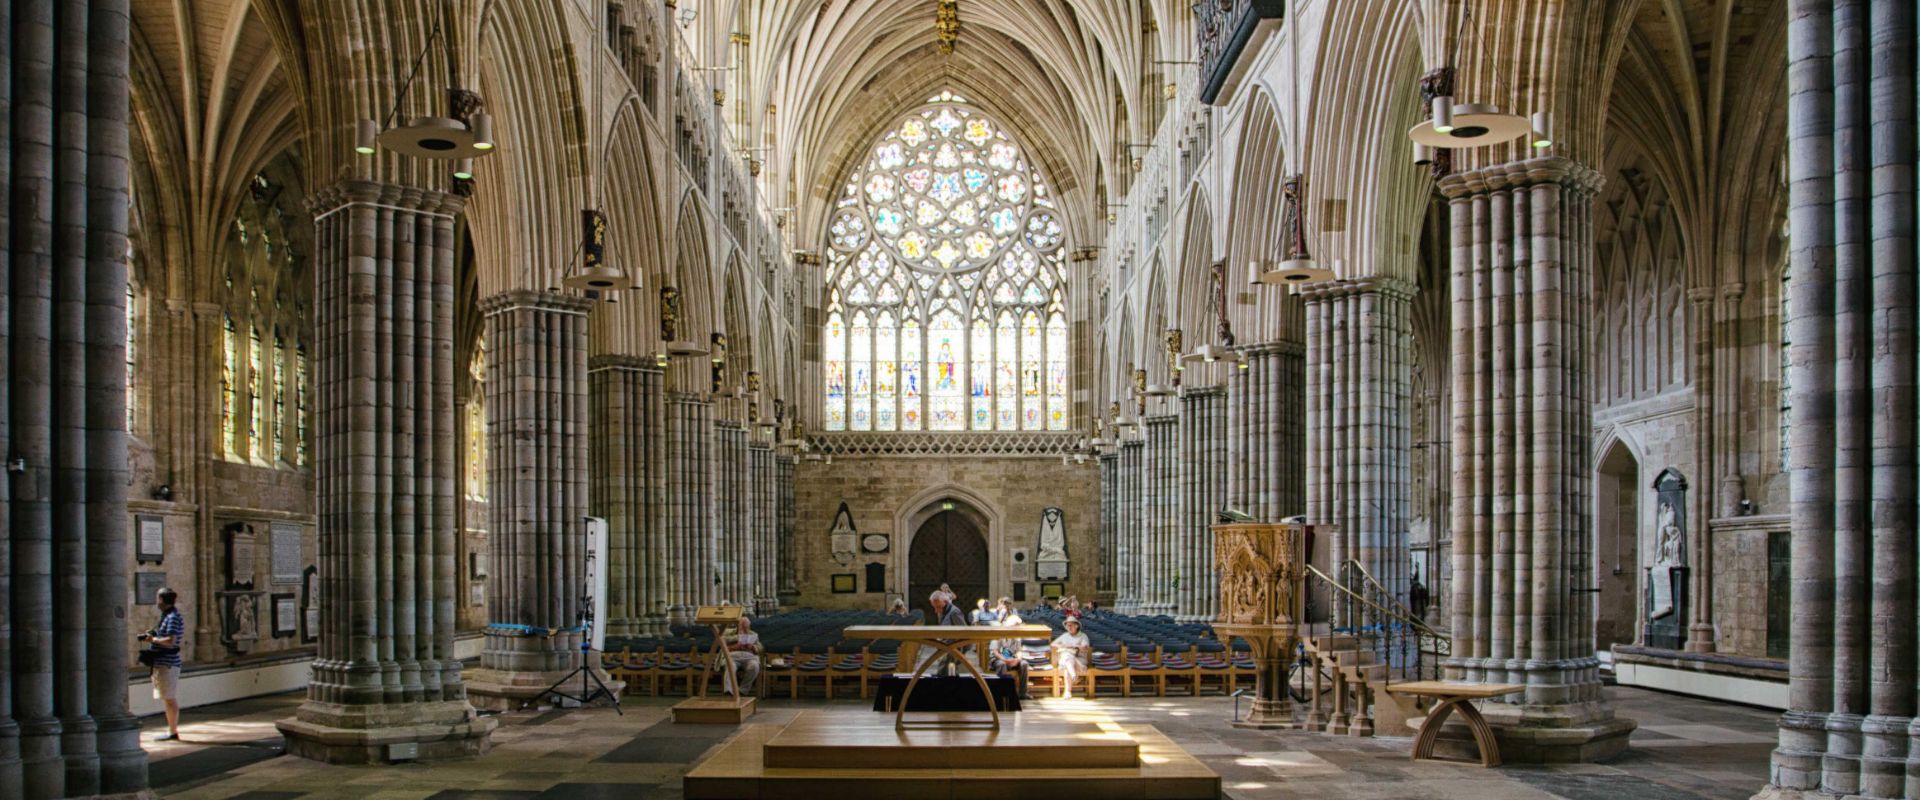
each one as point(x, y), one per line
point(950, 547)
point(1616, 551)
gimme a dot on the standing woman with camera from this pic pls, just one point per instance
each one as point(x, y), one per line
point(163, 655)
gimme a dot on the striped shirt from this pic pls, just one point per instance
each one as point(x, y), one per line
point(174, 625)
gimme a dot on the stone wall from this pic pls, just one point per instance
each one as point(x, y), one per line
point(879, 490)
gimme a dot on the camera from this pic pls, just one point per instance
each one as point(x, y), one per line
point(145, 635)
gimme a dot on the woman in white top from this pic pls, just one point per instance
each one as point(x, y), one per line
point(1070, 651)
point(1006, 652)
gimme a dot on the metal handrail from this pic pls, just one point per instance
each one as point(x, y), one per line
point(1405, 614)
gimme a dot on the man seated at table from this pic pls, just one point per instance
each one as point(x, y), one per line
point(744, 649)
point(1070, 652)
point(945, 613)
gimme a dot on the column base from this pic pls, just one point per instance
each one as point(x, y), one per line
point(339, 734)
point(503, 690)
point(1567, 734)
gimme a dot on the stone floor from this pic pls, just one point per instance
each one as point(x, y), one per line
point(1684, 748)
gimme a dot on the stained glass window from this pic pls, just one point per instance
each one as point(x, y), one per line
point(279, 399)
point(132, 393)
point(300, 402)
point(229, 363)
point(945, 300)
point(257, 421)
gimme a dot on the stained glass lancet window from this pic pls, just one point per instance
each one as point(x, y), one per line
point(945, 290)
point(229, 364)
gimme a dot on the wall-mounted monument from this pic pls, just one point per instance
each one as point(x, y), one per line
point(1666, 578)
point(845, 538)
point(1051, 563)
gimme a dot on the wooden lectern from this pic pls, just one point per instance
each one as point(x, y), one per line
point(1262, 569)
point(728, 710)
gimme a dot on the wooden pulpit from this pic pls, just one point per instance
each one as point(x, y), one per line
point(1262, 569)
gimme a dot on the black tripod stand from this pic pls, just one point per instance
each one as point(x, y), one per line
point(591, 687)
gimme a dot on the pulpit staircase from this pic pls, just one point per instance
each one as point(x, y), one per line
point(1373, 641)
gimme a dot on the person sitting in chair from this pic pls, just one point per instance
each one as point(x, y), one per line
point(745, 652)
point(1006, 652)
point(1070, 651)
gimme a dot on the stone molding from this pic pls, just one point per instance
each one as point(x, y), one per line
point(945, 443)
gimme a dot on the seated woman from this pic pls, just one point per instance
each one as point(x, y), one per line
point(1070, 652)
point(1006, 652)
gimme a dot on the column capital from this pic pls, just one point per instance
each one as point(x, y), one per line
point(362, 192)
point(538, 301)
point(1701, 295)
point(622, 362)
point(1561, 170)
point(1397, 288)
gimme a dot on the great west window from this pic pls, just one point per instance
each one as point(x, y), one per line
point(946, 302)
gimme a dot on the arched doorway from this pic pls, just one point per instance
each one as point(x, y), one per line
point(1616, 552)
point(950, 548)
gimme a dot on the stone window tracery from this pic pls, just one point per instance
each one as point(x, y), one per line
point(946, 283)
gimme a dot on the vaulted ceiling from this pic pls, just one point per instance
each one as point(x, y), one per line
point(1075, 78)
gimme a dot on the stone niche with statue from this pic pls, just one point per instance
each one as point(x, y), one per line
point(1667, 575)
point(1052, 562)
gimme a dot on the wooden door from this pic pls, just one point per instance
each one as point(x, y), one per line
point(947, 549)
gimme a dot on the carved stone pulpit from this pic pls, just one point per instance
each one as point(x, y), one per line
point(1262, 569)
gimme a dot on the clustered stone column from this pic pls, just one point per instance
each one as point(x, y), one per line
point(783, 530)
point(385, 472)
point(1522, 429)
point(1108, 579)
point(1266, 433)
point(64, 549)
point(733, 513)
point(690, 523)
point(537, 480)
point(1359, 378)
point(1129, 550)
point(1160, 506)
point(1850, 723)
point(1203, 491)
point(626, 487)
point(765, 524)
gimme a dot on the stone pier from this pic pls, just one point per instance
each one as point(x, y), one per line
point(626, 488)
point(386, 476)
point(1522, 428)
point(1203, 491)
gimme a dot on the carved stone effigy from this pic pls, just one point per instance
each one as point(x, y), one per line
point(1262, 569)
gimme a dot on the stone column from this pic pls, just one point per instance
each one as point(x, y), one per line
point(765, 486)
point(1359, 378)
point(537, 494)
point(783, 530)
point(1107, 580)
point(1159, 504)
point(1850, 376)
point(64, 549)
point(1127, 553)
point(628, 430)
point(386, 476)
point(1522, 429)
point(731, 556)
point(1266, 461)
point(690, 523)
point(1203, 491)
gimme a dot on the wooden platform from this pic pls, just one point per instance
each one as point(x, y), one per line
point(714, 710)
point(892, 768)
point(1035, 741)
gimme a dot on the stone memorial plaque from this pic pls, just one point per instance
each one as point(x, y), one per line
point(146, 585)
point(287, 538)
point(241, 566)
point(150, 535)
point(285, 614)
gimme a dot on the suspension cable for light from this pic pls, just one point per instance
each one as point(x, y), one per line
point(596, 274)
point(459, 137)
point(1298, 267)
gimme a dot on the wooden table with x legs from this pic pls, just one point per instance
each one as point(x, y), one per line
point(1455, 695)
point(946, 640)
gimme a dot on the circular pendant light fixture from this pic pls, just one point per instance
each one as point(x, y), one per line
point(1467, 125)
